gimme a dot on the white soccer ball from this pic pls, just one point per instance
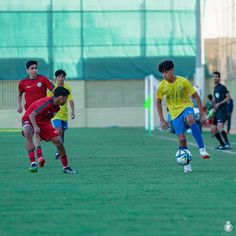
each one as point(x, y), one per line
point(183, 156)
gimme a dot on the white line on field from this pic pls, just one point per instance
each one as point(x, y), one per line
point(193, 144)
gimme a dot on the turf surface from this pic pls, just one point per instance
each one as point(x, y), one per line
point(128, 184)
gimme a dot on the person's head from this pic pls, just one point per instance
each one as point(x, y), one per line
point(32, 68)
point(210, 97)
point(166, 67)
point(216, 77)
point(60, 95)
point(60, 76)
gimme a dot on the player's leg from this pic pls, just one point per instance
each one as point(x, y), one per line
point(48, 133)
point(39, 153)
point(62, 152)
point(216, 133)
point(220, 128)
point(57, 124)
point(27, 131)
point(196, 132)
point(179, 126)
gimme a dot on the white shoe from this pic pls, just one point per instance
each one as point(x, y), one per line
point(188, 168)
point(203, 153)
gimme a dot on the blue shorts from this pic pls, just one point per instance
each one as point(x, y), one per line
point(60, 124)
point(178, 122)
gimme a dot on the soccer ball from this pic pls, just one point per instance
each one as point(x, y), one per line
point(183, 156)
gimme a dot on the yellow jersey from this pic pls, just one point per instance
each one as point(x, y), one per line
point(62, 114)
point(177, 95)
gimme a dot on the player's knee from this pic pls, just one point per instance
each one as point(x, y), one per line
point(59, 131)
point(57, 141)
point(191, 121)
point(182, 138)
point(28, 133)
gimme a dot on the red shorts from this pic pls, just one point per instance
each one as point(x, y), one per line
point(47, 132)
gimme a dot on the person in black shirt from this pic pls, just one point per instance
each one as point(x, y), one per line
point(221, 96)
point(230, 106)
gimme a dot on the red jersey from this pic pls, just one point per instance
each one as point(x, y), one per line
point(34, 89)
point(44, 108)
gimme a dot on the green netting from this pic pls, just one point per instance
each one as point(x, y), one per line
point(97, 39)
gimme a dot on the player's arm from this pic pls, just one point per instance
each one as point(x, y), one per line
point(33, 122)
point(197, 98)
point(164, 124)
point(19, 103)
point(49, 84)
point(72, 108)
point(19, 97)
point(228, 97)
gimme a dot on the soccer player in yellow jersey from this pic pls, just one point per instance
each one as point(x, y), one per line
point(60, 120)
point(178, 91)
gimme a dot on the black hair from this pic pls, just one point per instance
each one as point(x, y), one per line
point(216, 73)
point(30, 63)
point(165, 65)
point(60, 90)
point(60, 72)
point(210, 96)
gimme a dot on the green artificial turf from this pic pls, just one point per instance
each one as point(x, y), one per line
point(128, 184)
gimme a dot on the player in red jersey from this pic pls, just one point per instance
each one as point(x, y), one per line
point(34, 87)
point(37, 120)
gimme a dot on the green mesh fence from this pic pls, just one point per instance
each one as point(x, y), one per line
point(102, 39)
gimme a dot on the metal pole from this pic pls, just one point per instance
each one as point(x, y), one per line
point(82, 37)
point(199, 79)
point(50, 40)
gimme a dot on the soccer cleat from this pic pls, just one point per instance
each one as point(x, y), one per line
point(41, 161)
point(68, 170)
point(57, 156)
point(220, 147)
point(188, 168)
point(227, 146)
point(203, 153)
point(33, 167)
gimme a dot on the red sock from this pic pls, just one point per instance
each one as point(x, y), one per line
point(64, 161)
point(31, 155)
point(39, 151)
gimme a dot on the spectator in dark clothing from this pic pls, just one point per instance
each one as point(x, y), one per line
point(230, 107)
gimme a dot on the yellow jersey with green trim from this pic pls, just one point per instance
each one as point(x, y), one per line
point(177, 95)
point(63, 113)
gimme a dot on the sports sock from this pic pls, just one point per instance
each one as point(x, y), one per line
point(218, 137)
point(64, 161)
point(31, 155)
point(223, 133)
point(197, 135)
point(39, 151)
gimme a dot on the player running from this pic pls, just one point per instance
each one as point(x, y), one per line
point(37, 120)
point(177, 91)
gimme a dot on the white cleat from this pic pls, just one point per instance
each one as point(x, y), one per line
point(188, 168)
point(203, 153)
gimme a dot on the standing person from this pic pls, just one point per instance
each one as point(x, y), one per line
point(37, 119)
point(221, 96)
point(230, 107)
point(34, 86)
point(177, 90)
point(60, 120)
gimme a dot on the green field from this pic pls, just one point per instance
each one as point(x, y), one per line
point(128, 184)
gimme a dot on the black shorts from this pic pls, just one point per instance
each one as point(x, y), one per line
point(220, 117)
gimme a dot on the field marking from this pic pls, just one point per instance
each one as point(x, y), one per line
point(10, 130)
point(194, 144)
